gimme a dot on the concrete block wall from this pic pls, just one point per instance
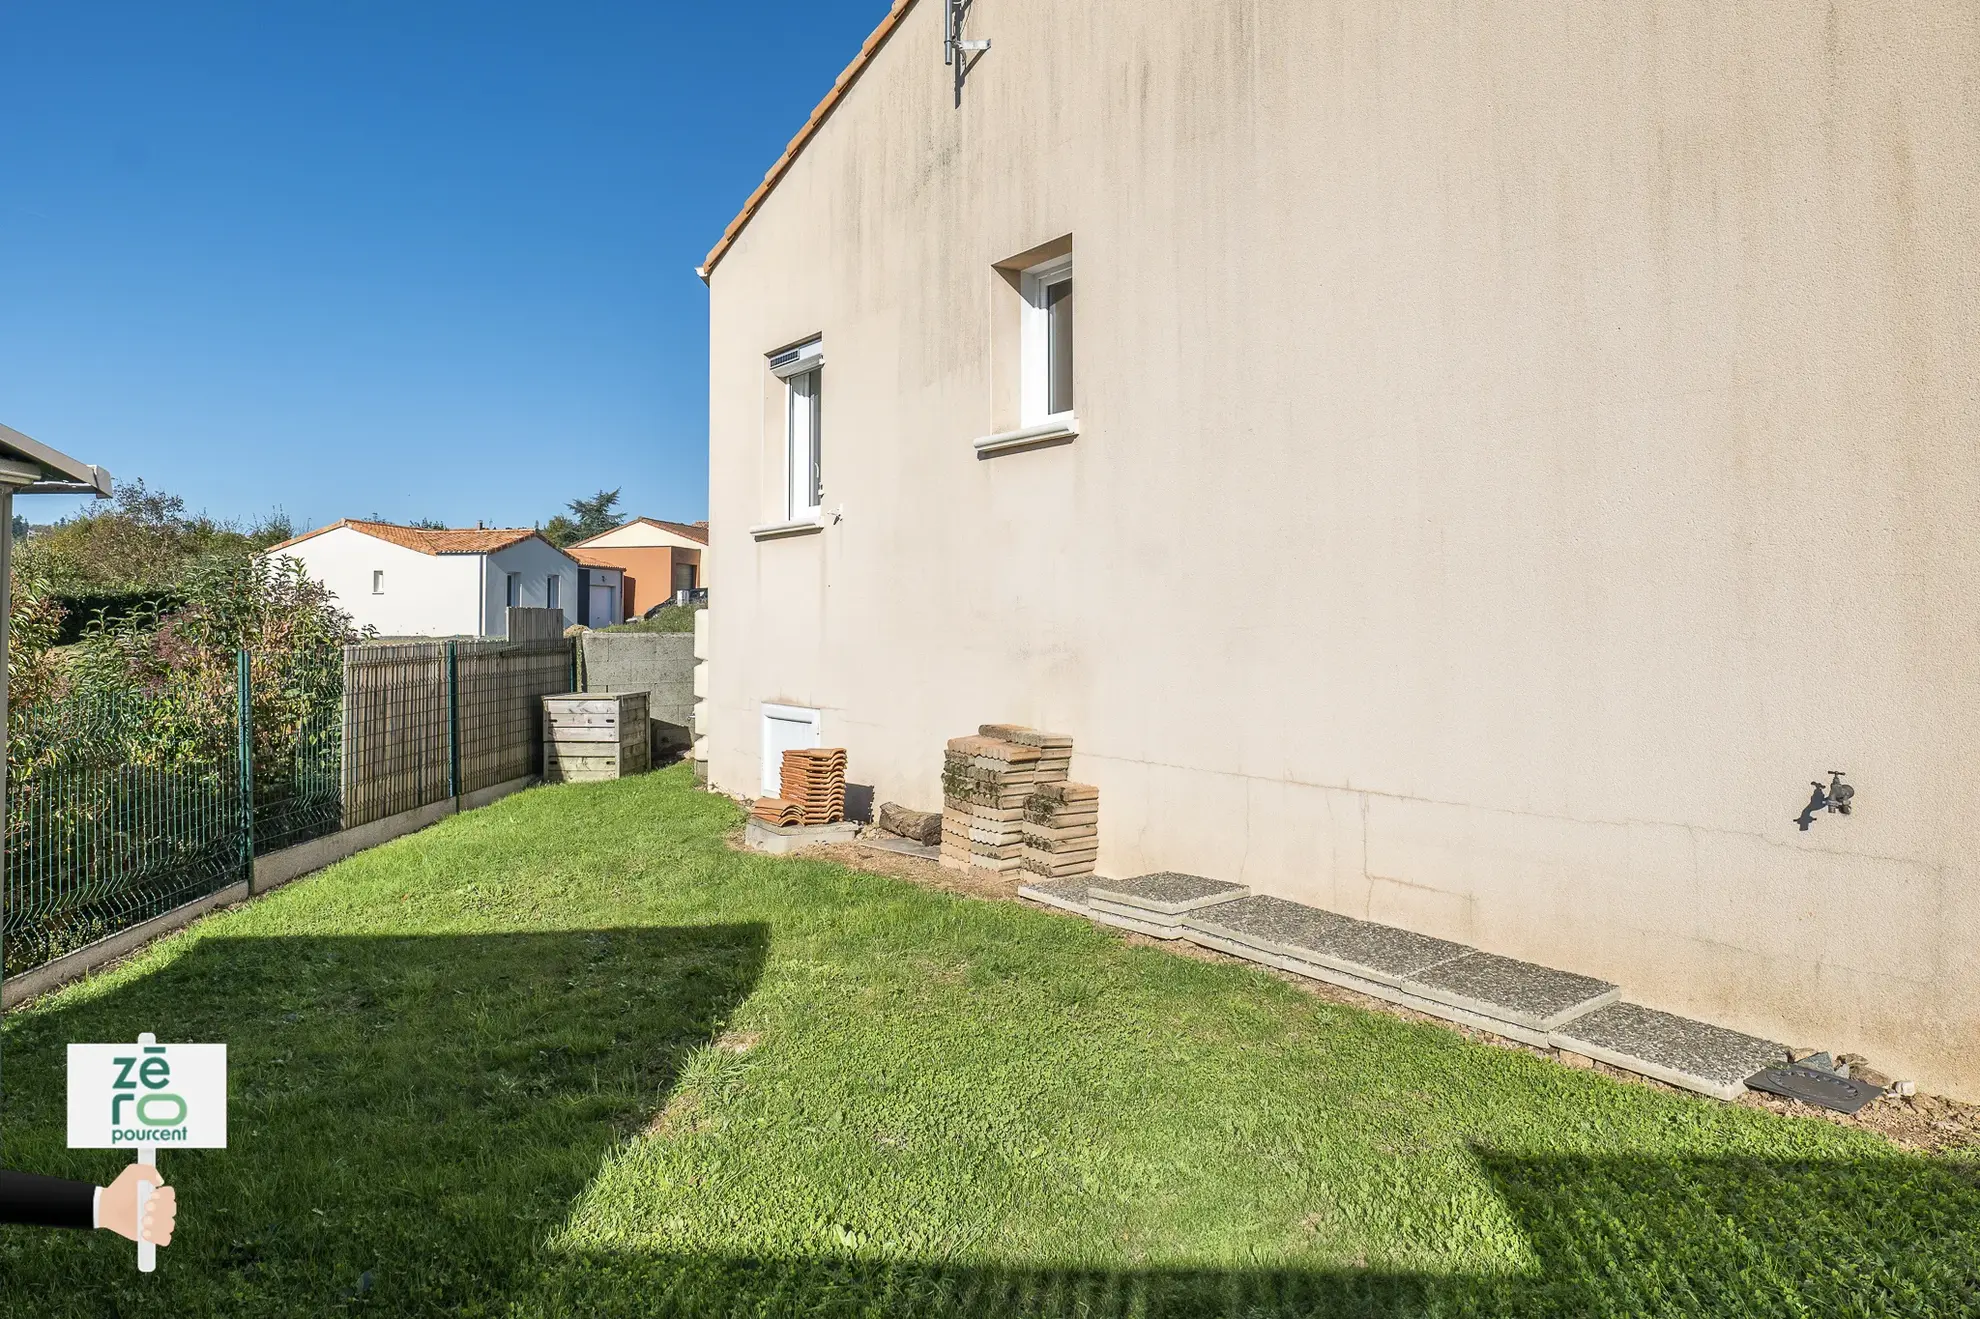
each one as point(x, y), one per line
point(661, 664)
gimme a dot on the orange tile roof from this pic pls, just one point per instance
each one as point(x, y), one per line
point(593, 559)
point(887, 27)
point(472, 540)
point(691, 530)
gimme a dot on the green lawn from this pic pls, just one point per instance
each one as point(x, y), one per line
point(570, 1055)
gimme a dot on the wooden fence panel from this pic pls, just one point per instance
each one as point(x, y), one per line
point(396, 717)
point(529, 626)
point(395, 729)
point(502, 690)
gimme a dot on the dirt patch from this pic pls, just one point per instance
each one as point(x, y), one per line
point(1929, 1123)
point(971, 883)
point(737, 1041)
point(681, 1116)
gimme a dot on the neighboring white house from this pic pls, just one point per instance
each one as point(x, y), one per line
point(414, 582)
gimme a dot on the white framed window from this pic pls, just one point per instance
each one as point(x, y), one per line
point(514, 595)
point(378, 581)
point(1046, 375)
point(802, 369)
point(785, 728)
point(550, 591)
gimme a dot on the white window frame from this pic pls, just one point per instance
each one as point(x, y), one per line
point(378, 581)
point(550, 585)
point(512, 590)
point(773, 769)
point(1034, 405)
point(804, 493)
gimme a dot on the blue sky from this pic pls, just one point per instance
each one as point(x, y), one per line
point(410, 258)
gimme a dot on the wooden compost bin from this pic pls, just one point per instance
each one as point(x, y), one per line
point(594, 735)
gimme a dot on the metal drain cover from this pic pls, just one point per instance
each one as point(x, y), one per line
point(1812, 1085)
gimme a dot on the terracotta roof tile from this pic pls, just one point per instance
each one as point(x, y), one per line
point(697, 531)
point(472, 540)
point(844, 83)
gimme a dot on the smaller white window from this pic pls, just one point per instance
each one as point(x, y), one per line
point(802, 369)
point(378, 581)
point(514, 596)
point(1047, 376)
point(550, 591)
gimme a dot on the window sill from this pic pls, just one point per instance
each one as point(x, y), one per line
point(1063, 429)
point(810, 526)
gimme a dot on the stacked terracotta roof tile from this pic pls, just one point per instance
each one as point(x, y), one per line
point(814, 780)
point(777, 811)
point(994, 782)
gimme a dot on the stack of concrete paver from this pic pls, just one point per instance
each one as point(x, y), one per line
point(1061, 829)
point(985, 783)
point(1054, 749)
point(814, 778)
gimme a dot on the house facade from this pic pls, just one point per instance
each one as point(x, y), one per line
point(415, 582)
point(1501, 457)
point(658, 558)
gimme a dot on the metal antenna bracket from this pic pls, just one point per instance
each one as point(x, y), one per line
point(959, 53)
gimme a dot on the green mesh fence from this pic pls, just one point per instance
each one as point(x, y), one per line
point(99, 838)
point(297, 732)
point(121, 808)
point(110, 822)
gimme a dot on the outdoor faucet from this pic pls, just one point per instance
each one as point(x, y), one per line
point(1834, 798)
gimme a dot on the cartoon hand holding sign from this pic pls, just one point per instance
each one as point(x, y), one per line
point(124, 1096)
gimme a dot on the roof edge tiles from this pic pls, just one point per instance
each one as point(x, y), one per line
point(888, 26)
point(477, 540)
point(694, 531)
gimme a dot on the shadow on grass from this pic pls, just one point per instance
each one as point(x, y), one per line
point(424, 1111)
point(409, 1117)
point(1608, 1236)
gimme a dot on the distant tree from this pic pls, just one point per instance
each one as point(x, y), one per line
point(428, 524)
point(588, 517)
point(140, 540)
point(21, 527)
point(273, 528)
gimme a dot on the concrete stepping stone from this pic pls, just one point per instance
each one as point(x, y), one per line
point(1065, 894)
point(1503, 988)
point(1264, 924)
point(1434, 976)
point(1692, 1055)
point(1156, 904)
point(1302, 937)
point(1389, 955)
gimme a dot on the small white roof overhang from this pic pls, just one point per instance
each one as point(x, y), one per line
point(31, 467)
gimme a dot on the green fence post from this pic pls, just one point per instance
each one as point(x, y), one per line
point(454, 723)
point(244, 751)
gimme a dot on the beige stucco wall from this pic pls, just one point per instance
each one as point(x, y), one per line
point(1522, 445)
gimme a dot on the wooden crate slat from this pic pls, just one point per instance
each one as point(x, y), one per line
point(595, 735)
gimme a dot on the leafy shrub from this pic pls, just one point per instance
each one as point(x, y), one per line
point(85, 606)
point(183, 662)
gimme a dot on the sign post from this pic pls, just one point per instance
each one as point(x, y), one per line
point(139, 1097)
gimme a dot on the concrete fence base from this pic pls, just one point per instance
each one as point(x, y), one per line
point(270, 872)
